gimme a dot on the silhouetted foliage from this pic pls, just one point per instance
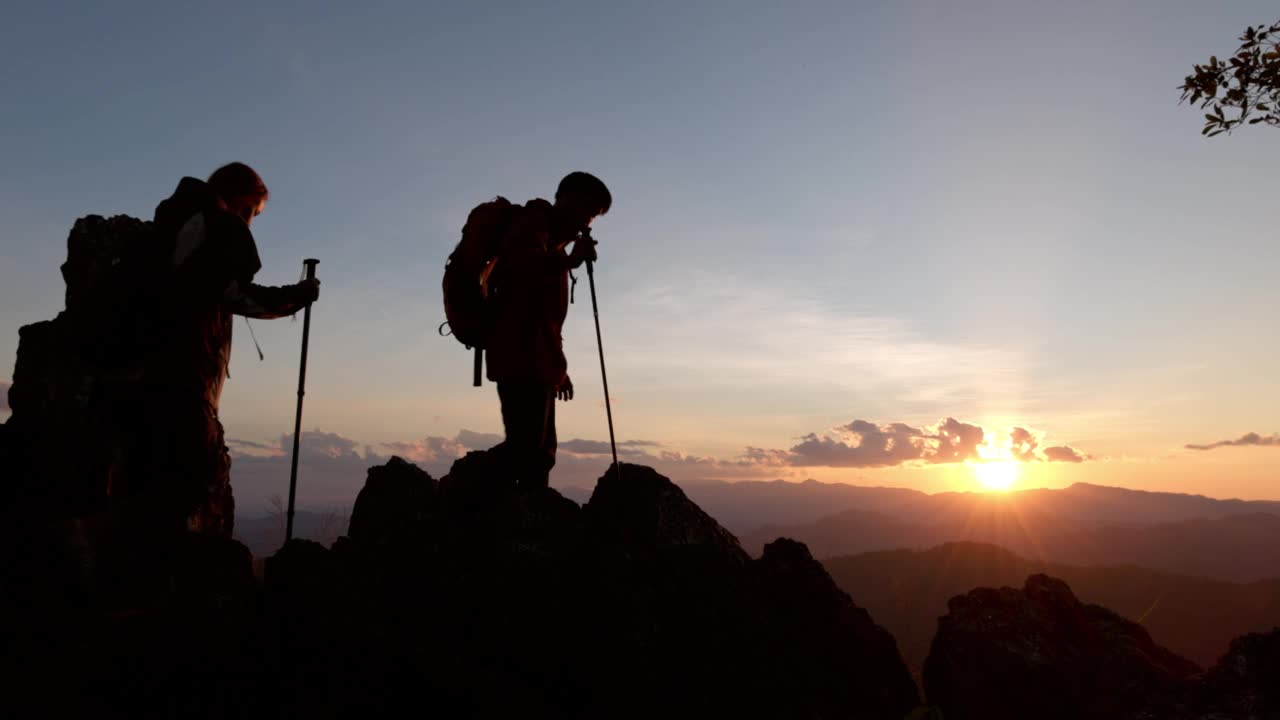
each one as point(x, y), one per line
point(1244, 89)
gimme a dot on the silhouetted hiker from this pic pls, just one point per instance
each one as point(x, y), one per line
point(175, 473)
point(531, 298)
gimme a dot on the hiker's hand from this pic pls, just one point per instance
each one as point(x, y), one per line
point(308, 291)
point(584, 250)
point(565, 391)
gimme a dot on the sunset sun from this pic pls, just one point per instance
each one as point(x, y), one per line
point(997, 476)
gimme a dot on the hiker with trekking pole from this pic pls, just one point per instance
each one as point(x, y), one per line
point(507, 291)
point(176, 469)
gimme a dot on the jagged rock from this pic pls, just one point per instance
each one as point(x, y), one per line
point(849, 658)
point(637, 605)
point(1039, 652)
point(396, 499)
point(1245, 683)
point(641, 506)
point(300, 568)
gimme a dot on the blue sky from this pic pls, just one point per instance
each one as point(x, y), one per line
point(893, 212)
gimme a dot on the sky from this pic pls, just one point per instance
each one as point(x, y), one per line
point(845, 237)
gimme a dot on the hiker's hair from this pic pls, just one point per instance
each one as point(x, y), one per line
point(586, 184)
point(235, 180)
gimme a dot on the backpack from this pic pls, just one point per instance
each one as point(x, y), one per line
point(116, 275)
point(468, 312)
point(119, 275)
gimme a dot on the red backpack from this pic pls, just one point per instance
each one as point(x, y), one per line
point(466, 276)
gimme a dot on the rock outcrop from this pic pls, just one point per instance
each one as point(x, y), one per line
point(637, 604)
point(1039, 652)
point(1245, 683)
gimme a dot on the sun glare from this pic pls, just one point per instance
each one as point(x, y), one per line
point(997, 476)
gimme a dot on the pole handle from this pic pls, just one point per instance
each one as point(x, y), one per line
point(310, 264)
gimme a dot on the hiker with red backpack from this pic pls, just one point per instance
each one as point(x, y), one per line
point(507, 292)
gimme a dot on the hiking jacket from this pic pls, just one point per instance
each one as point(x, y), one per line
point(531, 300)
point(214, 259)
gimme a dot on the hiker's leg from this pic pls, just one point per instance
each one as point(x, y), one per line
point(546, 457)
point(522, 414)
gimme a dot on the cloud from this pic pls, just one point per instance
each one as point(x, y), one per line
point(440, 452)
point(1022, 444)
point(477, 441)
point(866, 444)
point(1248, 439)
point(317, 443)
point(331, 471)
point(602, 447)
point(1062, 453)
point(767, 458)
point(580, 462)
point(4, 395)
point(240, 447)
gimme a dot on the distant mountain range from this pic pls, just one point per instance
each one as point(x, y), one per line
point(907, 591)
point(747, 506)
point(1083, 524)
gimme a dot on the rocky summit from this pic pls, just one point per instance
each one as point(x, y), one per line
point(466, 597)
point(637, 604)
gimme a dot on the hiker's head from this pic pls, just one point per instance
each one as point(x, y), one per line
point(240, 190)
point(582, 197)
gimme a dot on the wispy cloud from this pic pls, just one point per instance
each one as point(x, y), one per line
point(1249, 439)
point(732, 330)
point(436, 451)
point(602, 447)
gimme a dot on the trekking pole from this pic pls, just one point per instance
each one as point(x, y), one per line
point(595, 310)
point(302, 383)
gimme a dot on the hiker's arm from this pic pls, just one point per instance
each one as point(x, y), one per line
point(267, 303)
point(526, 251)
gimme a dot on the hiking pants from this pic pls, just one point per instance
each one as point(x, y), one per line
point(529, 418)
